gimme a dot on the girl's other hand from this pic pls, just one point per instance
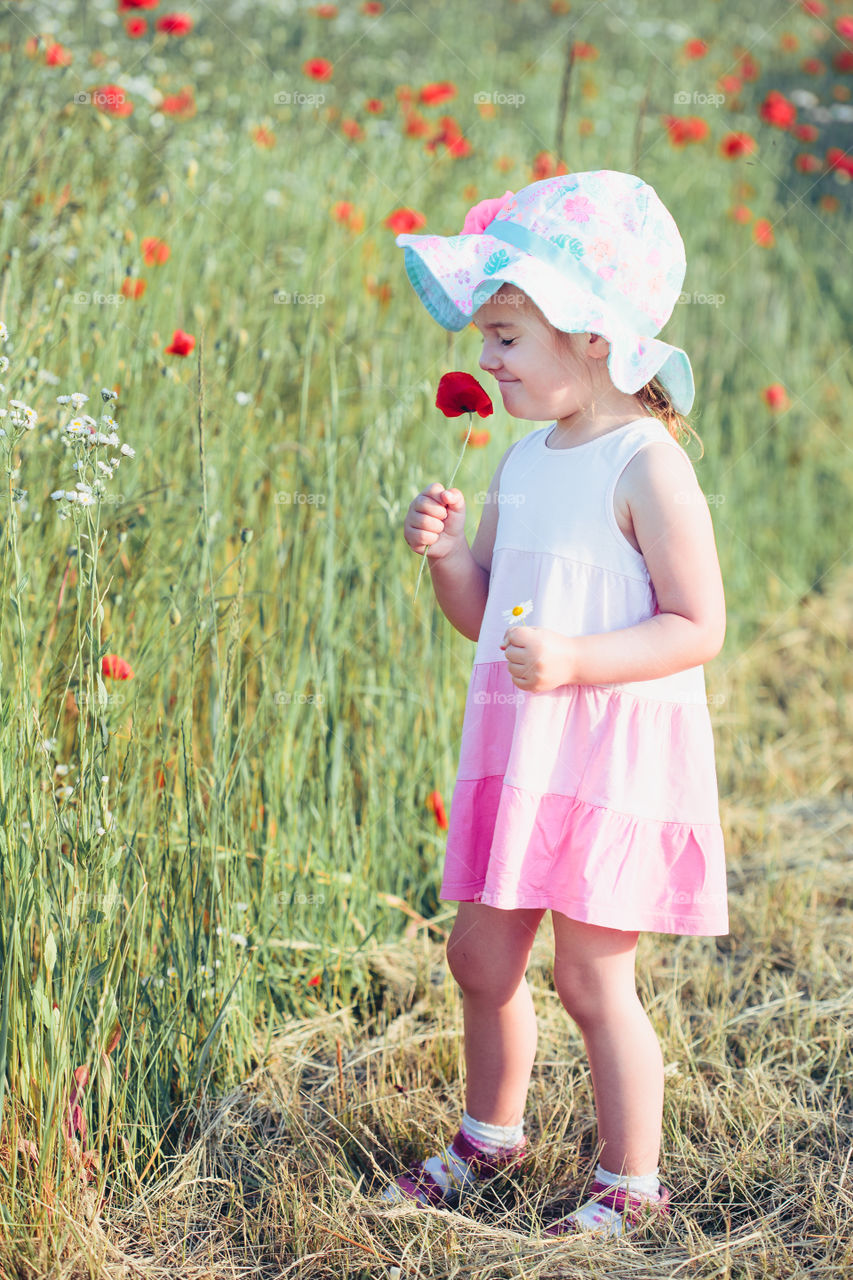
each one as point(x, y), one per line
point(435, 521)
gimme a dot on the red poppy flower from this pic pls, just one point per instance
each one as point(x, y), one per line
point(788, 42)
point(175, 24)
point(582, 52)
point(372, 8)
point(132, 287)
point(263, 137)
point(740, 213)
point(180, 105)
point(375, 106)
point(435, 802)
point(545, 166)
point(841, 160)
point(695, 49)
point(441, 91)
point(776, 396)
point(806, 132)
point(416, 125)
point(318, 68)
point(844, 26)
point(461, 393)
point(748, 68)
point(684, 129)
point(181, 344)
point(737, 144)
point(115, 668)
point(843, 60)
point(404, 221)
point(805, 162)
point(112, 99)
point(135, 27)
point(814, 8)
point(730, 84)
point(762, 233)
point(777, 110)
point(813, 66)
point(154, 250)
point(325, 10)
point(56, 55)
point(478, 439)
point(352, 129)
point(124, 5)
point(315, 981)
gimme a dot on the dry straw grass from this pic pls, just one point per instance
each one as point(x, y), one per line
point(280, 1177)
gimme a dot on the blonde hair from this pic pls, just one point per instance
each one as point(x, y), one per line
point(653, 396)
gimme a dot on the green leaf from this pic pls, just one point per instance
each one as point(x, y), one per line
point(94, 975)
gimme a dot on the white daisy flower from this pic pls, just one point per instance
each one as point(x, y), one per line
point(513, 617)
point(127, 451)
point(4, 332)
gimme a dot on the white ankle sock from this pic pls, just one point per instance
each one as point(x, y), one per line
point(491, 1136)
point(601, 1218)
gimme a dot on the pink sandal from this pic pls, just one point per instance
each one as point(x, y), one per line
point(635, 1210)
point(418, 1184)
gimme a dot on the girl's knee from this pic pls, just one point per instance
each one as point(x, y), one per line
point(589, 996)
point(487, 952)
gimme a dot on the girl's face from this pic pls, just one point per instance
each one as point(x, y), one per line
point(537, 380)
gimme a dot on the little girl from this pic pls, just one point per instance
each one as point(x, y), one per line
point(586, 782)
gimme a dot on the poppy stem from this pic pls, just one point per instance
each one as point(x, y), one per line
point(449, 486)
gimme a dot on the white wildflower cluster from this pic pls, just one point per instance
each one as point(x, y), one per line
point(83, 434)
point(17, 414)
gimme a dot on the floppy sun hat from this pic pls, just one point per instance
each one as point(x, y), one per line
point(598, 252)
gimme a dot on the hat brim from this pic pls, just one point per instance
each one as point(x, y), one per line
point(454, 275)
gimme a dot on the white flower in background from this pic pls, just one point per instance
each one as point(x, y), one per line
point(76, 399)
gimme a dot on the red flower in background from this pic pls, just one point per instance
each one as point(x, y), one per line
point(813, 7)
point(583, 52)
point(737, 144)
point(132, 287)
point(844, 26)
point(441, 91)
point(684, 129)
point(181, 105)
point(461, 393)
point(318, 68)
point(806, 132)
point(181, 344)
point(375, 106)
point(841, 160)
point(154, 250)
point(435, 802)
point(805, 162)
point(56, 55)
point(777, 110)
point(112, 99)
point(762, 233)
point(124, 5)
point(546, 166)
point(372, 8)
point(404, 221)
point(695, 48)
point(175, 24)
point(115, 668)
point(135, 27)
point(776, 396)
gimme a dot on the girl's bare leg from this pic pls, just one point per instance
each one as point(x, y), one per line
point(487, 952)
point(594, 978)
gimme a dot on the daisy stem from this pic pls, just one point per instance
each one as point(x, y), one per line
point(449, 486)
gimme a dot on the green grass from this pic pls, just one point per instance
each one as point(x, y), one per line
point(301, 707)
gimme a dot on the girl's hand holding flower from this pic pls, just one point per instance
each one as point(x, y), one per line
point(538, 659)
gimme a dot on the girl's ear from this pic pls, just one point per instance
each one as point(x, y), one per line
point(599, 347)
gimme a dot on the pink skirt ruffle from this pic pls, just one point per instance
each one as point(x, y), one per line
point(587, 800)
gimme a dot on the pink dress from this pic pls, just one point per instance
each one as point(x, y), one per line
point(599, 801)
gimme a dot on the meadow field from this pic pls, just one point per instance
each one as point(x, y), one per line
point(228, 731)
